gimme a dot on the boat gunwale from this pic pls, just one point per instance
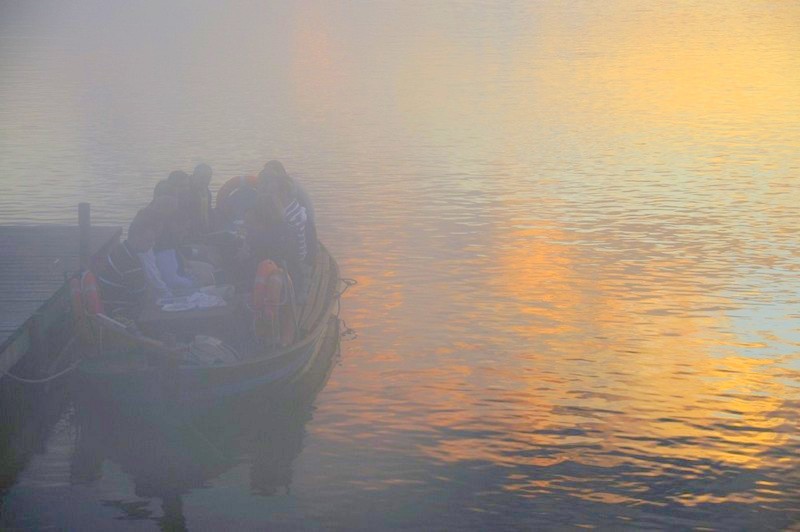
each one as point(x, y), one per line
point(303, 343)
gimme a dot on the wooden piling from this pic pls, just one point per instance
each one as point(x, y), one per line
point(34, 299)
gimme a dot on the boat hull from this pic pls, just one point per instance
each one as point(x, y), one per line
point(130, 380)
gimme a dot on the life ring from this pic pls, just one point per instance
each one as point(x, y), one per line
point(272, 304)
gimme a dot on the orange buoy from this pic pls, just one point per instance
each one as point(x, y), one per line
point(262, 295)
point(90, 294)
point(267, 291)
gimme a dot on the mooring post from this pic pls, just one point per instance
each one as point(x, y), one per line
point(85, 226)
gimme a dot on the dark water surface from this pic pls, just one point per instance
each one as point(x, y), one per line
point(575, 231)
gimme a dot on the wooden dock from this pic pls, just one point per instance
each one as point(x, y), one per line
point(34, 263)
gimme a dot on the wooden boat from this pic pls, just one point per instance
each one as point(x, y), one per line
point(139, 372)
point(268, 435)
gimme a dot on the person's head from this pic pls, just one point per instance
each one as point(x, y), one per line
point(179, 179)
point(144, 230)
point(202, 175)
point(275, 169)
point(273, 174)
point(163, 188)
point(274, 181)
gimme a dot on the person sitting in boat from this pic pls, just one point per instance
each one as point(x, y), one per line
point(121, 276)
point(200, 245)
point(163, 206)
point(234, 198)
point(271, 248)
point(232, 184)
point(268, 236)
point(176, 185)
point(202, 213)
point(180, 181)
point(273, 179)
point(161, 209)
point(178, 273)
point(283, 194)
point(164, 188)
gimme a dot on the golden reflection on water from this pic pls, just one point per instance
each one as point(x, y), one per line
point(574, 229)
point(697, 73)
point(317, 72)
point(630, 344)
point(672, 384)
point(690, 73)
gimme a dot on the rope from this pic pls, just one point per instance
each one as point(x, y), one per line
point(347, 284)
point(288, 289)
point(347, 333)
point(46, 379)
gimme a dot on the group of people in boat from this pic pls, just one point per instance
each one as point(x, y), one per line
point(182, 240)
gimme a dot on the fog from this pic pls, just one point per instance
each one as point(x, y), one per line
point(573, 229)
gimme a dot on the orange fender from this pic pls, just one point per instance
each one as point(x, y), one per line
point(263, 293)
point(90, 294)
point(267, 291)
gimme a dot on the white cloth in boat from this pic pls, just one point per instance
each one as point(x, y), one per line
point(197, 300)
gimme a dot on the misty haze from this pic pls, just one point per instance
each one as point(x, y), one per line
point(399, 265)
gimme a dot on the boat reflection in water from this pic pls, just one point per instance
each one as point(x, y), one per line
point(169, 455)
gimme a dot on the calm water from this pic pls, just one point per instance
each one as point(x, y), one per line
point(575, 230)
